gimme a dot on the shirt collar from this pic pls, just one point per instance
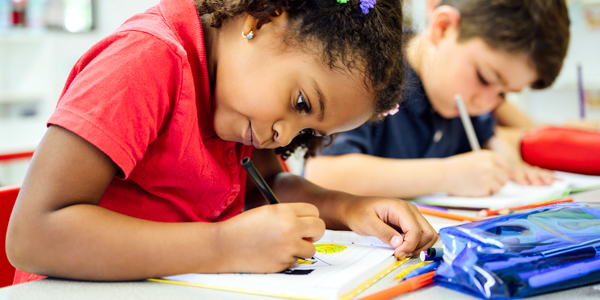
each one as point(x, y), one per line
point(414, 95)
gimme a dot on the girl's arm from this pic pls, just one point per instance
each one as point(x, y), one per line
point(58, 229)
point(377, 216)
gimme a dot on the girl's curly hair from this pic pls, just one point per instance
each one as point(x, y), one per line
point(371, 43)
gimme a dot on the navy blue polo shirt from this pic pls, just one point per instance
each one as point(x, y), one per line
point(416, 131)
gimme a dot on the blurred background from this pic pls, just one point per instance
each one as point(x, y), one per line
point(40, 41)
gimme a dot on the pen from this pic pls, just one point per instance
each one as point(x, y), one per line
point(492, 212)
point(260, 182)
point(581, 92)
point(432, 254)
point(429, 206)
point(422, 270)
point(466, 120)
point(447, 215)
point(403, 287)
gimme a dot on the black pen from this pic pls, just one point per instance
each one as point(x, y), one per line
point(260, 182)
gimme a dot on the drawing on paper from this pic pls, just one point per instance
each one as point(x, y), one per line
point(330, 248)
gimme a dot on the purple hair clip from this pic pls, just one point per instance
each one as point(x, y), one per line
point(392, 111)
point(366, 5)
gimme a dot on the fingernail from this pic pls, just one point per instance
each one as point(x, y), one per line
point(396, 241)
point(401, 255)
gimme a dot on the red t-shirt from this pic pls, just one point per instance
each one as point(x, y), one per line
point(142, 96)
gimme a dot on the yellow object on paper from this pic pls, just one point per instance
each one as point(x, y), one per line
point(344, 265)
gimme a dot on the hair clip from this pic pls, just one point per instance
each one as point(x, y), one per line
point(342, 1)
point(392, 111)
point(366, 5)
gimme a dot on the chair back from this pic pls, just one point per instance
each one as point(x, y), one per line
point(8, 196)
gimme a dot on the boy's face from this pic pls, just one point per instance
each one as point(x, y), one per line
point(480, 74)
point(265, 94)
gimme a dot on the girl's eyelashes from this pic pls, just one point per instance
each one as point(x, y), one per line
point(302, 105)
point(481, 79)
point(309, 131)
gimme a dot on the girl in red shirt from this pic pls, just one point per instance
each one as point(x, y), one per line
point(138, 175)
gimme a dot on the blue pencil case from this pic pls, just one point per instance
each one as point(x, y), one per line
point(529, 253)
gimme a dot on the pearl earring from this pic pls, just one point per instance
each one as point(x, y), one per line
point(249, 36)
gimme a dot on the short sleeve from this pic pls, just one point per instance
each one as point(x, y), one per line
point(119, 95)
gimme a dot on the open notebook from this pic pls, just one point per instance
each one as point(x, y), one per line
point(513, 194)
point(345, 264)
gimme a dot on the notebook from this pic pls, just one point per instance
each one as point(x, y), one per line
point(513, 194)
point(344, 265)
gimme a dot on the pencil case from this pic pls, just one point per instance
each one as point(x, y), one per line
point(562, 149)
point(520, 255)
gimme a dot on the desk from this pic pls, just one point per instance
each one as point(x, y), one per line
point(50, 289)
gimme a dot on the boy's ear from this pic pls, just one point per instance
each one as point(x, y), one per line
point(254, 25)
point(431, 5)
point(444, 21)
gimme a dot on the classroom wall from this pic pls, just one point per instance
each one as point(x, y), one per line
point(34, 67)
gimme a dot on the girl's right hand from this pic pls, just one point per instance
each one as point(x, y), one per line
point(474, 174)
point(269, 238)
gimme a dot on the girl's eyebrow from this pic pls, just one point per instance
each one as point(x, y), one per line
point(321, 99)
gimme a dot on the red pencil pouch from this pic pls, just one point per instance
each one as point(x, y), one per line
point(562, 149)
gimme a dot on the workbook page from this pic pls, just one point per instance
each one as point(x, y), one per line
point(337, 268)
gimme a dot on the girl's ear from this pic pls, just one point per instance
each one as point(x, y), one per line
point(255, 25)
point(444, 22)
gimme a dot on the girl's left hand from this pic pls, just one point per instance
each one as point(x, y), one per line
point(525, 174)
point(396, 222)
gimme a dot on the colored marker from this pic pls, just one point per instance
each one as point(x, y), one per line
point(403, 273)
point(260, 182)
point(447, 215)
point(431, 254)
point(422, 270)
point(402, 287)
point(466, 120)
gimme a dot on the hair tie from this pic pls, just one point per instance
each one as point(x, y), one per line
point(365, 5)
point(392, 111)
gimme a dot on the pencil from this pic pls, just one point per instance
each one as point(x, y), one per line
point(493, 212)
point(581, 92)
point(466, 120)
point(403, 287)
point(447, 215)
point(260, 182)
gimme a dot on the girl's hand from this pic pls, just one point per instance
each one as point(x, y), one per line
point(387, 219)
point(269, 238)
point(474, 174)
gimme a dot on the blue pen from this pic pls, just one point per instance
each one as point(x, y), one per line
point(432, 266)
point(430, 206)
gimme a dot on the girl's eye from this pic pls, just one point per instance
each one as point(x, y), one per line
point(302, 105)
point(481, 79)
point(306, 130)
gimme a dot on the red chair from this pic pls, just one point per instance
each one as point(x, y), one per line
point(8, 196)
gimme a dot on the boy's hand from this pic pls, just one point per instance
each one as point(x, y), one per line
point(474, 174)
point(269, 238)
point(386, 219)
point(525, 174)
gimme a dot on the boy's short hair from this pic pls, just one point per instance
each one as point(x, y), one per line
point(539, 28)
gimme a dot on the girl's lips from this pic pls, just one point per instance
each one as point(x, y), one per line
point(249, 138)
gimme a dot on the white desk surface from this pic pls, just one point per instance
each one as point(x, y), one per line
point(50, 289)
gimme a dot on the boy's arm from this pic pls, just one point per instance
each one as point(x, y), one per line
point(58, 229)
point(469, 174)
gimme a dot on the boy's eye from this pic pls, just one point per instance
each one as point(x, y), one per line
point(481, 79)
point(302, 105)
